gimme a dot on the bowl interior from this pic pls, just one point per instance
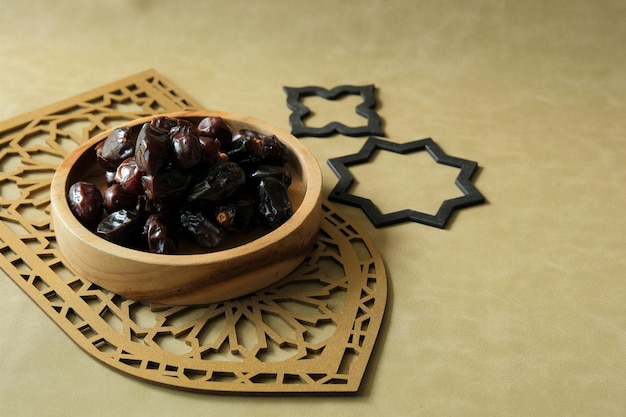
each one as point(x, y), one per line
point(83, 166)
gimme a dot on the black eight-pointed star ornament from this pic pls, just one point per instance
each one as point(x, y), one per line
point(365, 109)
point(340, 193)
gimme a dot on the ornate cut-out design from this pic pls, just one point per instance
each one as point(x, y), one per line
point(365, 109)
point(311, 332)
point(340, 193)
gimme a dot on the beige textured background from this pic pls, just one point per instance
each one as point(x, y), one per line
point(517, 309)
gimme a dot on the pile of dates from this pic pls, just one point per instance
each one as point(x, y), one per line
point(176, 178)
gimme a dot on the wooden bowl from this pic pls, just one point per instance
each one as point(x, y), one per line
point(190, 278)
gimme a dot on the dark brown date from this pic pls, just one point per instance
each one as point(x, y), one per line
point(205, 233)
point(109, 177)
point(85, 201)
point(129, 177)
point(115, 198)
point(249, 147)
point(162, 207)
point(246, 148)
point(210, 151)
point(274, 151)
point(274, 206)
point(171, 175)
point(118, 146)
point(221, 181)
point(120, 227)
point(236, 216)
point(185, 145)
point(160, 235)
point(164, 123)
point(282, 174)
point(216, 127)
point(151, 149)
point(166, 185)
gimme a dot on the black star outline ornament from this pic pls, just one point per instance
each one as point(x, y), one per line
point(340, 193)
point(365, 109)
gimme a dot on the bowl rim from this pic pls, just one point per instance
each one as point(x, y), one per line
point(311, 177)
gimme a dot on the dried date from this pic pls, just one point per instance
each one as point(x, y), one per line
point(152, 149)
point(166, 185)
point(246, 148)
point(204, 232)
point(117, 147)
point(274, 151)
point(129, 177)
point(237, 216)
point(185, 146)
point(221, 181)
point(164, 123)
point(216, 128)
point(85, 201)
point(274, 206)
point(120, 227)
point(115, 198)
point(160, 235)
point(210, 151)
point(227, 183)
point(281, 173)
point(251, 148)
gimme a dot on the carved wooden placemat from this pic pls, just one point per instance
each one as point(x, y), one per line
point(313, 331)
